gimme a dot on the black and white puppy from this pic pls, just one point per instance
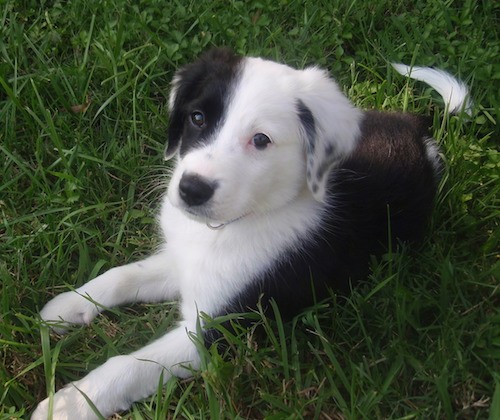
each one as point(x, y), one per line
point(279, 183)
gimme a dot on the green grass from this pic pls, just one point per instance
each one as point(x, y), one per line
point(79, 191)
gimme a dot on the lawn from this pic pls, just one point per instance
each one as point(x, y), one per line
point(83, 120)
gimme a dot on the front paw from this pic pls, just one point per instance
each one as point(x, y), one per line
point(69, 308)
point(68, 403)
point(106, 390)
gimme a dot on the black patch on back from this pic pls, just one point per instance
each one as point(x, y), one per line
point(204, 86)
point(388, 174)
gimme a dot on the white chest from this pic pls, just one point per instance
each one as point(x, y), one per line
point(213, 266)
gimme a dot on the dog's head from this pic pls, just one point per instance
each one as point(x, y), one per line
point(251, 135)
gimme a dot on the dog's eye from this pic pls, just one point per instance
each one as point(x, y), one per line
point(197, 118)
point(260, 141)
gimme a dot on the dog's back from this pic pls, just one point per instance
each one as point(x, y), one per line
point(388, 184)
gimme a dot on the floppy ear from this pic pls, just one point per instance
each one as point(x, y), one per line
point(330, 127)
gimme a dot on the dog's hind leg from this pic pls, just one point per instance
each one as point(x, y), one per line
point(149, 280)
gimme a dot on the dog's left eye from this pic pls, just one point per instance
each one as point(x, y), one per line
point(260, 141)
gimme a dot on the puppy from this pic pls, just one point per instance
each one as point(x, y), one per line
point(281, 191)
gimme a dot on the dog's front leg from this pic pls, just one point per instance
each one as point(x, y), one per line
point(149, 280)
point(120, 381)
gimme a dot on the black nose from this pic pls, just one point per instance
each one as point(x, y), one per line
point(194, 190)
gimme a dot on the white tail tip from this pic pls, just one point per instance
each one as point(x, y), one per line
point(454, 92)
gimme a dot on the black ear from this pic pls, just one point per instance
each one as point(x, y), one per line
point(189, 82)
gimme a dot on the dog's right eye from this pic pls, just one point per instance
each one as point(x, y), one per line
point(198, 119)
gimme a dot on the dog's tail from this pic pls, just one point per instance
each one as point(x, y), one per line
point(454, 92)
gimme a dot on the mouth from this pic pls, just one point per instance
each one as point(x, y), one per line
point(205, 215)
point(211, 222)
point(199, 215)
point(219, 226)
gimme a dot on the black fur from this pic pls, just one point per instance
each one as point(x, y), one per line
point(387, 185)
point(307, 121)
point(203, 87)
point(382, 193)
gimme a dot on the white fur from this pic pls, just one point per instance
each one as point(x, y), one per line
point(265, 101)
point(203, 267)
point(264, 201)
point(433, 154)
point(454, 93)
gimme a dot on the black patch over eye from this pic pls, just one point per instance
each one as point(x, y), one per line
point(260, 141)
point(198, 118)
